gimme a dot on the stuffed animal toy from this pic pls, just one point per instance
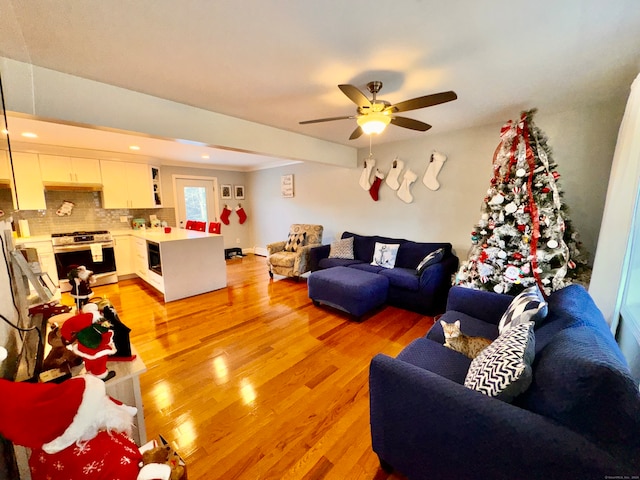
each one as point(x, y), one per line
point(164, 454)
point(80, 280)
point(59, 356)
point(89, 337)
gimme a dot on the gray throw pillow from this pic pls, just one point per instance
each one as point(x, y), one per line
point(342, 249)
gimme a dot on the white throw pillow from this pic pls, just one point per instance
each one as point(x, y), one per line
point(384, 255)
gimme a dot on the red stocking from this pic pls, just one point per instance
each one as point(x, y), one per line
point(375, 186)
point(242, 215)
point(224, 216)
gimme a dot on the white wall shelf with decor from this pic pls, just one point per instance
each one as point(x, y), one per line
point(156, 186)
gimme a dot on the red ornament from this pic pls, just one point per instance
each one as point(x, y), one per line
point(545, 190)
point(522, 228)
point(555, 174)
point(483, 256)
point(517, 256)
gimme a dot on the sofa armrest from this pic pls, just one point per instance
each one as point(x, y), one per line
point(427, 426)
point(316, 254)
point(275, 247)
point(483, 305)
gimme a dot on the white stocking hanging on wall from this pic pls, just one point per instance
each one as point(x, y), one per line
point(393, 177)
point(65, 209)
point(404, 192)
point(365, 177)
point(430, 178)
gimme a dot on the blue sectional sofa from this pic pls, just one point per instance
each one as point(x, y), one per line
point(425, 293)
point(578, 419)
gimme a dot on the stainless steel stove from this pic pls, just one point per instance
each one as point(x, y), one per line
point(93, 249)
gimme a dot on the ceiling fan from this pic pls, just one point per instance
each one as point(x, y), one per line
point(374, 115)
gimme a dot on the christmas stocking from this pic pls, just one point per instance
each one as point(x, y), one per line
point(373, 191)
point(394, 173)
point(431, 175)
point(224, 216)
point(404, 192)
point(365, 181)
point(241, 214)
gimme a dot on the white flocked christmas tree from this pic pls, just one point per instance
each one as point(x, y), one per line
point(524, 236)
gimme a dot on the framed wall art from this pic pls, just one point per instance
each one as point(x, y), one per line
point(225, 192)
point(286, 185)
point(239, 192)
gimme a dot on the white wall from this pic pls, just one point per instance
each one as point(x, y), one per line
point(582, 140)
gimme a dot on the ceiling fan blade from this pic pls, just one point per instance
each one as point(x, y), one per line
point(410, 123)
point(356, 133)
point(425, 101)
point(331, 119)
point(355, 95)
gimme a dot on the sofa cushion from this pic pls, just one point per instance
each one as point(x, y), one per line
point(402, 278)
point(337, 262)
point(367, 267)
point(503, 369)
point(283, 259)
point(436, 358)
point(342, 248)
point(527, 306)
point(431, 258)
point(411, 254)
point(384, 254)
point(580, 381)
point(295, 241)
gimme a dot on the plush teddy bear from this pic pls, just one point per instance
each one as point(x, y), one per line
point(59, 356)
point(164, 454)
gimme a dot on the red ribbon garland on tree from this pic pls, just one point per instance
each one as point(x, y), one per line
point(532, 203)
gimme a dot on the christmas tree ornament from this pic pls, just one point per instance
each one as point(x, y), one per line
point(394, 174)
point(224, 216)
point(375, 186)
point(365, 176)
point(404, 192)
point(436, 162)
point(242, 216)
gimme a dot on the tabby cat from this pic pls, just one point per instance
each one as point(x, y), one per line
point(458, 341)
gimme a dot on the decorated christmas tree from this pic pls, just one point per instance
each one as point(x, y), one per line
point(524, 236)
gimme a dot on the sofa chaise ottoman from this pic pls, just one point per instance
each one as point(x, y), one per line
point(354, 291)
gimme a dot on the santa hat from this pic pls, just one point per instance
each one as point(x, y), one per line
point(75, 324)
point(50, 416)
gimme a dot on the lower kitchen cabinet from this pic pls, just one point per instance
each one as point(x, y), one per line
point(124, 253)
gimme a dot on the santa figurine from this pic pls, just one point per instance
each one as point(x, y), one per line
point(80, 280)
point(90, 338)
point(74, 429)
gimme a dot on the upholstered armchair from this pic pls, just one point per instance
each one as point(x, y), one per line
point(291, 257)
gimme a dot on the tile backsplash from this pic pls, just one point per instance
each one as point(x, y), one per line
point(87, 213)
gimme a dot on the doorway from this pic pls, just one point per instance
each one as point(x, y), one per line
point(196, 199)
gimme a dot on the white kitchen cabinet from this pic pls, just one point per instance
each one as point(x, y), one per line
point(5, 167)
point(70, 170)
point(141, 264)
point(126, 185)
point(124, 252)
point(46, 257)
point(28, 187)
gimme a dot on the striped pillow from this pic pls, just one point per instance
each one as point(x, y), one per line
point(503, 369)
point(527, 306)
point(342, 249)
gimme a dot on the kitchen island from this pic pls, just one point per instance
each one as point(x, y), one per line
point(181, 263)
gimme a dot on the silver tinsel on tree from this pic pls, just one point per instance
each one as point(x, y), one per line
point(524, 236)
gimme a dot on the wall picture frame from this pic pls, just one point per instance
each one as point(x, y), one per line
point(238, 192)
point(225, 192)
point(286, 185)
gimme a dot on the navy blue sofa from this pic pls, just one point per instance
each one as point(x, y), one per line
point(425, 293)
point(579, 419)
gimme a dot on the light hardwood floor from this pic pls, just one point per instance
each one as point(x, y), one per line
point(255, 382)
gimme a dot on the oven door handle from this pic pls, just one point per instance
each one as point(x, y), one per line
point(79, 248)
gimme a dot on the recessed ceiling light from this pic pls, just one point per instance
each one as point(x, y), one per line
point(205, 156)
point(134, 147)
point(29, 135)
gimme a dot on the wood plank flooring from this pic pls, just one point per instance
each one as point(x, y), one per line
point(255, 382)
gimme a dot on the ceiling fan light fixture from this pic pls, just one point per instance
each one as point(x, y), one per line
point(374, 122)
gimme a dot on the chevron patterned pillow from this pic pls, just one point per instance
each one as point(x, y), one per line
point(342, 249)
point(527, 306)
point(295, 241)
point(503, 369)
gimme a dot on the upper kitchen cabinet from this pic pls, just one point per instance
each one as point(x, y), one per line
point(5, 167)
point(61, 170)
point(28, 186)
point(126, 185)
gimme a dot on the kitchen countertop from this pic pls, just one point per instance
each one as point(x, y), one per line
point(158, 235)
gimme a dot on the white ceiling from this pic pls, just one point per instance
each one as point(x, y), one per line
point(279, 62)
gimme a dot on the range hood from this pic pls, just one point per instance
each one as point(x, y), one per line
point(76, 187)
